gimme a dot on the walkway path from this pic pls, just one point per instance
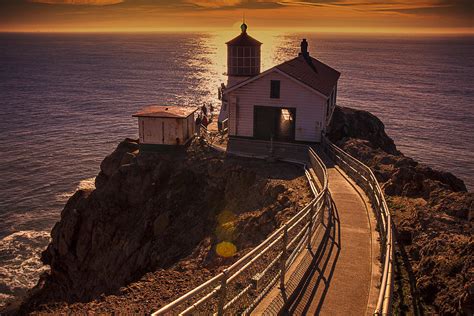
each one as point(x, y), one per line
point(342, 269)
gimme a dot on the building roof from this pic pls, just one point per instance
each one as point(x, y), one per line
point(306, 70)
point(243, 40)
point(165, 111)
point(311, 72)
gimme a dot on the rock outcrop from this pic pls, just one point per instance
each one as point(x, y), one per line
point(350, 123)
point(432, 212)
point(162, 214)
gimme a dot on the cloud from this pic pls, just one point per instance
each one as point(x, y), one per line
point(215, 3)
point(379, 6)
point(168, 14)
point(231, 4)
point(79, 2)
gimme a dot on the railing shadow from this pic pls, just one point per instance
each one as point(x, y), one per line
point(324, 157)
point(317, 279)
point(416, 306)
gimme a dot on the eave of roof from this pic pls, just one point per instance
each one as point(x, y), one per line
point(243, 39)
point(165, 111)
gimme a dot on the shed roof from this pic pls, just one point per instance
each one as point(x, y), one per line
point(165, 111)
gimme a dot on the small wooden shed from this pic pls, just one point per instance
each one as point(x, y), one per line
point(165, 125)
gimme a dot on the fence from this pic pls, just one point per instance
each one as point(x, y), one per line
point(241, 286)
point(365, 178)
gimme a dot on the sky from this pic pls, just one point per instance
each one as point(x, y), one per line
point(364, 16)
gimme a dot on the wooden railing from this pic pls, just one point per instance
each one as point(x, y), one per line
point(365, 178)
point(241, 286)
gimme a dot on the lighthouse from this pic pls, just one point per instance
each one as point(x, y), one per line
point(243, 57)
point(243, 62)
point(292, 102)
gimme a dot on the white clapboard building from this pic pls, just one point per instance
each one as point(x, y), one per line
point(160, 127)
point(290, 103)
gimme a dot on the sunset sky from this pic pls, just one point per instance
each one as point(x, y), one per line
point(417, 16)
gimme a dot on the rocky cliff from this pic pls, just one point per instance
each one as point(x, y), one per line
point(150, 229)
point(433, 215)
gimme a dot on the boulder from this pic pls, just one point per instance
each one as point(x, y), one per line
point(351, 123)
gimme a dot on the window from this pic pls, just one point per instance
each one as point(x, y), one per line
point(275, 89)
point(243, 61)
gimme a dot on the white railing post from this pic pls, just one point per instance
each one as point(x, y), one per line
point(283, 257)
point(222, 294)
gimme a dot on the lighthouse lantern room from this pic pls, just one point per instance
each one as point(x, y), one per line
point(243, 57)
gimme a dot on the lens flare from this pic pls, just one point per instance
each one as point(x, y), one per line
point(225, 217)
point(226, 249)
point(225, 233)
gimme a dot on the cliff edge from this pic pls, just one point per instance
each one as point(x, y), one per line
point(432, 213)
point(157, 225)
point(149, 230)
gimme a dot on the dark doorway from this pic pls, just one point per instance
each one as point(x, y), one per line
point(274, 123)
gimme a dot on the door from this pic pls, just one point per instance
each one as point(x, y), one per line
point(274, 123)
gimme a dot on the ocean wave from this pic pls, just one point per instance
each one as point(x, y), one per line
point(86, 184)
point(20, 264)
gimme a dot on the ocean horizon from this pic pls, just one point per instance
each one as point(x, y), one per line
point(67, 101)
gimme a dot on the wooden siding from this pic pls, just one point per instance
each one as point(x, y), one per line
point(233, 112)
point(310, 106)
point(151, 130)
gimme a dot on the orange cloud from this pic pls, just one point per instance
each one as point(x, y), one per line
point(370, 5)
point(215, 3)
point(174, 15)
point(79, 2)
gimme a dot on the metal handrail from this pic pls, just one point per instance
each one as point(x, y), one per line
point(364, 176)
point(304, 221)
point(225, 125)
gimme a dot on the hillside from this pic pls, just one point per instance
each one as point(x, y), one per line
point(152, 227)
point(433, 216)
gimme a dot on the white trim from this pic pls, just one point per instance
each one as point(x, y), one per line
point(266, 72)
point(251, 79)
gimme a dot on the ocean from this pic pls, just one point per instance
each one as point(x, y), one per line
point(66, 101)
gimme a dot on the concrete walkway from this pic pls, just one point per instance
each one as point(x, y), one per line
point(344, 288)
point(341, 270)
